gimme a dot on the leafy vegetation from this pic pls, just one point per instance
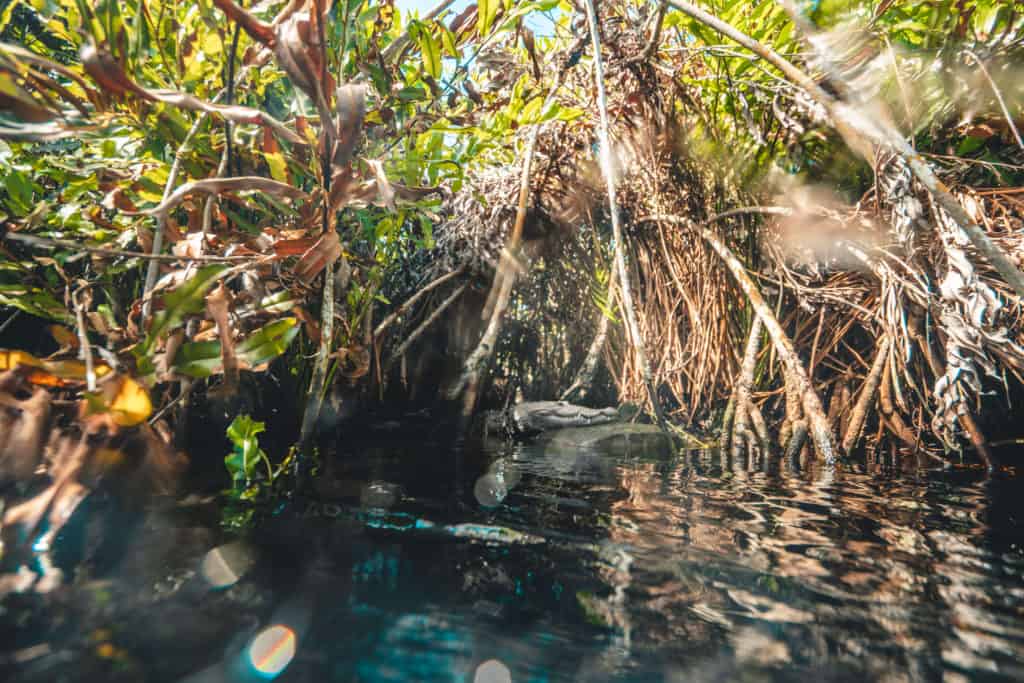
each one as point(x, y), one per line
point(201, 190)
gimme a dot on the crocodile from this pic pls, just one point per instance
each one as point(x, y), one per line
point(531, 418)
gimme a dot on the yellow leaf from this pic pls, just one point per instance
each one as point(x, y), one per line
point(125, 400)
point(278, 166)
point(12, 359)
point(131, 405)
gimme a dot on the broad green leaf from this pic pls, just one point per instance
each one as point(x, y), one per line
point(185, 300)
point(34, 301)
point(203, 359)
point(268, 342)
point(198, 359)
point(448, 41)
point(19, 193)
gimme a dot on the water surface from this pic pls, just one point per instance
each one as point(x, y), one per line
point(525, 563)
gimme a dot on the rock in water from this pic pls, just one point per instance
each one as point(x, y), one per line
point(531, 417)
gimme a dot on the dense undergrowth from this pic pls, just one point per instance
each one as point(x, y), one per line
point(816, 210)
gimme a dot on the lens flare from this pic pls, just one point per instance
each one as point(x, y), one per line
point(272, 650)
point(224, 566)
point(492, 671)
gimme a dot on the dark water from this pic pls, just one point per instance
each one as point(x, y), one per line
point(580, 567)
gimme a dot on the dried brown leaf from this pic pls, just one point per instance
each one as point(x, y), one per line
point(219, 186)
point(465, 20)
point(218, 305)
point(385, 191)
point(325, 252)
point(351, 109)
point(258, 30)
point(108, 74)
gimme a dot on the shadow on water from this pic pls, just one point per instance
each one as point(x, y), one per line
point(542, 563)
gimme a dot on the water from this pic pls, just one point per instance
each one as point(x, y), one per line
point(578, 567)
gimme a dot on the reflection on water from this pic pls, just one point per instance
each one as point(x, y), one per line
point(540, 564)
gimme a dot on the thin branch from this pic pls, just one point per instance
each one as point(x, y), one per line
point(505, 277)
point(412, 300)
point(423, 326)
point(652, 43)
point(51, 243)
point(741, 394)
point(83, 340)
point(161, 220)
point(742, 210)
point(5, 324)
point(868, 395)
point(999, 98)
point(604, 140)
point(314, 397)
point(584, 378)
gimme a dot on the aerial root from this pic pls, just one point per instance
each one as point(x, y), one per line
point(793, 368)
point(741, 394)
point(796, 440)
point(423, 326)
point(866, 398)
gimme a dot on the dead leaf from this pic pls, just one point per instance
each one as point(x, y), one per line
point(353, 361)
point(258, 30)
point(64, 337)
point(311, 324)
point(23, 424)
point(294, 247)
point(165, 360)
point(122, 400)
point(351, 110)
point(297, 49)
point(190, 245)
point(108, 74)
point(464, 20)
point(322, 254)
point(528, 43)
point(218, 305)
point(116, 199)
point(384, 189)
point(219, 186)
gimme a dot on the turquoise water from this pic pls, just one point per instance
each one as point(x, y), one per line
point(520, 563)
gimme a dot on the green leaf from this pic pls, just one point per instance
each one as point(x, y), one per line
point(247, 454)
point(268, 342)
point(427, 228)
point(185, 300)
point(431, 53)
point(448, 41)
point(19, 193)
point(486, 11)
point(34, 301)
point(278, 166)
point(198, 359)
point(968, 145)
point(202, 359)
